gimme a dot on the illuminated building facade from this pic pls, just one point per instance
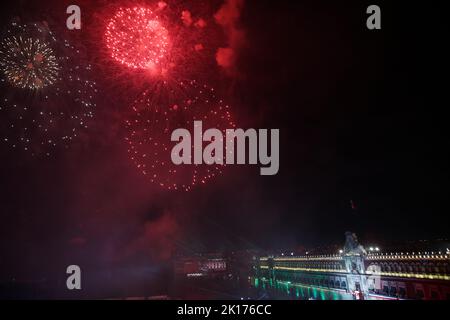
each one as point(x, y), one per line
point(200, 266)
point(355, 274)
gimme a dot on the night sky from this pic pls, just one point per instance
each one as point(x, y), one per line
point(361, 116)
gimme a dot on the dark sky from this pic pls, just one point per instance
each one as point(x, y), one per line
point(361, 117)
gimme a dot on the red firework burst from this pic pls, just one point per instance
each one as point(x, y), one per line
point(136, 38)
point(156, 114)
point(175, 49)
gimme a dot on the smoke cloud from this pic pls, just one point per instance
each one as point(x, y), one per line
point(228, 18)
point(157, 238)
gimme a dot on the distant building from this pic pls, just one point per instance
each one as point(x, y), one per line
point(355, 274)
point(200, 266)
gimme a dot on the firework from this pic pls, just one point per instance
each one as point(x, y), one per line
point(28, 63)
point(156, 114)
point(156, 41)
point(46, 99)
point(136, 38)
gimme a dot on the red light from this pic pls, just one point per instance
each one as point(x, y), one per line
point(136, 38)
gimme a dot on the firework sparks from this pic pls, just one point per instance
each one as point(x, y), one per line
point(136, 38)
point(28, 63)
point(46, 99)
point(157, 113)
point(151, 42)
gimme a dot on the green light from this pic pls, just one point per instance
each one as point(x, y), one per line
point(314, 293)
point(322, 295)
